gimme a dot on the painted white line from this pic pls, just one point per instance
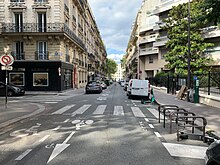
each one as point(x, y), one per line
point(66, 120)
point(68, 138)
point(50, 102)
point(101, 98)
point(151, 126)
point(154, 112)
point(100, 110)
point(118, 111)
point(188, 151)
point(81, 110)
point(135, 101)
point(64, 109)
point(23, 154)
point(44, 138)
point(157, 134)
point(137, 112)
point(146, 119)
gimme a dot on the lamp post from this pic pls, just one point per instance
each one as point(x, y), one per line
point(189, 55)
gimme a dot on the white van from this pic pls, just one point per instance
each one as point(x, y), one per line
point(138, 87)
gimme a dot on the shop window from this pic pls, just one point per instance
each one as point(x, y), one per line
point(40, 79)
point(16, 79)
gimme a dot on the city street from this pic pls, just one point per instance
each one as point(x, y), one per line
point(101, 129)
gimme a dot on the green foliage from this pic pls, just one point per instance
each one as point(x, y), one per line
point(213, 13)
point(111, 67)
point(177, 28)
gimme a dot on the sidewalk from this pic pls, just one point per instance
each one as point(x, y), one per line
point(212, 114)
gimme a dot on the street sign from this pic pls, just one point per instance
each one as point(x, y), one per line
point(7, 67)
point(6, 59)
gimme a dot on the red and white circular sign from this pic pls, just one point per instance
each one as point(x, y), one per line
point(6, 59)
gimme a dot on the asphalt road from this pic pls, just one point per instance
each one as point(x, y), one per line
point(99, 129)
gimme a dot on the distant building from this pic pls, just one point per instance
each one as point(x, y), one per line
point(56, 44)
point(146, 47)
point(119, 74)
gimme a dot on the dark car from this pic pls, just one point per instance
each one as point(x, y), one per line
point(93, 86)
point(213, 154)
point(13, 90)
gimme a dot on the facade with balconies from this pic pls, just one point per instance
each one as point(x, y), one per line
point(51, 41)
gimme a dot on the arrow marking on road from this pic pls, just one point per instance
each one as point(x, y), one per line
point(60, 147)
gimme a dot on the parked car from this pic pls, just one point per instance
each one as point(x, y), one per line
point(13, 90)
point(139, 88)
point(93, 86)
point(103, 84)
point(213, 153)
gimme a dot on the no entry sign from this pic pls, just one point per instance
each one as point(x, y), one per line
point(6, 59)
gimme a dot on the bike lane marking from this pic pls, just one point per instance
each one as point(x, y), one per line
point(60, 147)
point(25, 153)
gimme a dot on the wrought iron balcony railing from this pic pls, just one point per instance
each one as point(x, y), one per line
point(42, 28)
point(41, 55)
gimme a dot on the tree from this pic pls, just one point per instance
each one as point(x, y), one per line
point(177, 28)
point(213, 6)
point(111, 67)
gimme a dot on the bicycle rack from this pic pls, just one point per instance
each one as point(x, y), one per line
point(186, 121)
point(162, 107)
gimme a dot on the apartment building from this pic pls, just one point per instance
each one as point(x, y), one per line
point(146, 47)
point(119, 74)
point(56, 44)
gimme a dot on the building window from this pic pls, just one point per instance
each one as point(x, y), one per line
point(42, 22)
point(40, 0)
point(42, 53)
point(40, 79)
point(19, 50)
point(151, 59)
point(17, 0)
point(16, 79)
point(18, 19)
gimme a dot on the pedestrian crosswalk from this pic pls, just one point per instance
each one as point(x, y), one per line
point(117, 110)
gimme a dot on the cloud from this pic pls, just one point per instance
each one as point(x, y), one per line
point(114, 19)
point(116, 57)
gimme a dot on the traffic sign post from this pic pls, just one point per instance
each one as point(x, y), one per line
point(6, 60)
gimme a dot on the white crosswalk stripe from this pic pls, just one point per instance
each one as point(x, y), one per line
point(81, 110)
point(137, 112)
point(118, 111)
point(64, 109)
point(100, 110)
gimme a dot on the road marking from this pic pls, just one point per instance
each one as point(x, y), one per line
point(151, 126)
point(44, 138)
point(50, 102)
point(158, 134)
point(137, 112)
point(81, 110)
point(179, 150)
point(101, 98)
point(23, 154)
point(118, 111)
point(60, 147)
point(62, 110)
point(146, 119)
point(100, 110)
point(154, 112)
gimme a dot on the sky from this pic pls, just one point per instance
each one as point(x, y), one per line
point(114, 19)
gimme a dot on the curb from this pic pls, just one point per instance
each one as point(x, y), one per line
point(41, 108)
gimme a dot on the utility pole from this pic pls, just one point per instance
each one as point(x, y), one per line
point(189, 55)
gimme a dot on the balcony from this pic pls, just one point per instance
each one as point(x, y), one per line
point(211, 32)
point(8, 28)
point(41, 55)
point(148, 39)
point(161, 41)
point(148, 51)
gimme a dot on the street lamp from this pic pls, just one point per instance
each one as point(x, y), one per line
point(189, 55)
